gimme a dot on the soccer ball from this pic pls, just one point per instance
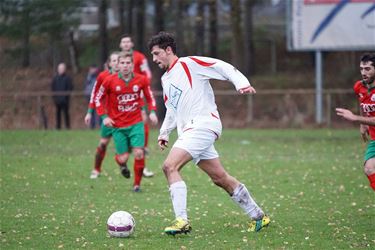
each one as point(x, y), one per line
point(120, 224)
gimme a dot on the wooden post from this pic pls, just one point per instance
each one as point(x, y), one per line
point(249, 116)
point(273, 56)
point(329, 106)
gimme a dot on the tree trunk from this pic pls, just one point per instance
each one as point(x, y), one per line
point(129, 18)
point(121, 10)
point(213, 28)
point(103, 32)
point(73, 52)
point(157, 73)
point(237, 42)
point(159, 16)
point(180, 27)
point(199, 28)
point(26, 39)
point(249, 66)
point(140, 24)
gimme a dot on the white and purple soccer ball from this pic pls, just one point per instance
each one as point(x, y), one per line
point(120, 224)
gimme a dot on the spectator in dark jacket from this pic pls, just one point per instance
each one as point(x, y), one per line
point(62, 83)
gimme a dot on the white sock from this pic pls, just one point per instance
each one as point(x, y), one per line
point(242, 197)
point(178, 192)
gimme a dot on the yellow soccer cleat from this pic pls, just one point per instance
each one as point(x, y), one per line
point(178, 226)
point(256, 225)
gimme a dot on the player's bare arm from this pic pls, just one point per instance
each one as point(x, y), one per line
point(151, 103)
point(163, 143)
point(348, 115)
point(108, 122)
point(153, 118)
point(363, 129)
point(88, 117)
point(247, 90)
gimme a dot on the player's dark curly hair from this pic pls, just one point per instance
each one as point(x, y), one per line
point(163, 40)
point(368, 57)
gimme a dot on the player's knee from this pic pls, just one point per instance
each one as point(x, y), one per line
point(369, 168)
point(138, 154)
point(121, 158)
point(168, 168)
point(220, 180)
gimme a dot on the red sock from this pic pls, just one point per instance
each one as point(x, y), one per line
point(147, 129)
point(371, 178)
point(99, 156)
point(139, 165)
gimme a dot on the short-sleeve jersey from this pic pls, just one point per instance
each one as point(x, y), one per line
point(123, 99)
point(366, 98)
point(188, 95)
point(99, 81)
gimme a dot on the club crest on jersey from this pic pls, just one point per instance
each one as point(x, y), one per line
point(135, 88)
point(174, 95)
point(373, 97)
point(360, 95)
point(118, 88)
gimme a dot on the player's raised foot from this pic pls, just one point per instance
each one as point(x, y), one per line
point(147, 172)
point(125, 171)
point(256, 225)
point(94, 174)
point(178, 226)
point(137, 188)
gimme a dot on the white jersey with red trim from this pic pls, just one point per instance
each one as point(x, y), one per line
point(188, 95)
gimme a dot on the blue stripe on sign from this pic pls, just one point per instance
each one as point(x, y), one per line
point(328, 19)
point(368, 11)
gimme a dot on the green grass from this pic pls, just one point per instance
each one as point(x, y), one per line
point(310, 182)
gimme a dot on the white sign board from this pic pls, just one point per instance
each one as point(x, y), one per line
point(332, 25)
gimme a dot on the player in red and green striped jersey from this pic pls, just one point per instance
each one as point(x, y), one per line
point(141, 67)
point(118, 102)
point(105, 132)
point(365, 91)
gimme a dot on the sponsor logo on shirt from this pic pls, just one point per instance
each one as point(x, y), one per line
point(368, 108)
point(125, 98)
point(174, 95)
point(128, 108)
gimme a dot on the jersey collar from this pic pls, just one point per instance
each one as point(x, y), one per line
point(369, 87)
point(172, 65)
point(126, 81)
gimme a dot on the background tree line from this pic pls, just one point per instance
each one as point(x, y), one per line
point(32, 24)
point(251, 34)
point(42, 33)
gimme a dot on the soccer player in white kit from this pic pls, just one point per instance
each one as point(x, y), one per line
point(191, 107)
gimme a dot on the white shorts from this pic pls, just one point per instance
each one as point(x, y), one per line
point(199, 143)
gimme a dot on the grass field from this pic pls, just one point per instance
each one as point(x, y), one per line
point(310, 182)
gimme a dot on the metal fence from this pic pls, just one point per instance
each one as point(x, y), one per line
point(278, 108)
